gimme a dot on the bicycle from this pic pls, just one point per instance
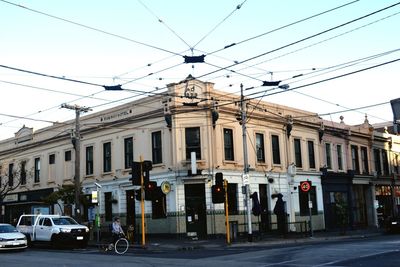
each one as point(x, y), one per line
point(120, 247)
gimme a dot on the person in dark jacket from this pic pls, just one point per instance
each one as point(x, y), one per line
point(280, 213)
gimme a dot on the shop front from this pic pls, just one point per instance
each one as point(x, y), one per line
point(31, 202)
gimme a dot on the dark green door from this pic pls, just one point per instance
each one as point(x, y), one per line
point(195, 199)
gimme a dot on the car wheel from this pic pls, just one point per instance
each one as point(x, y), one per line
point(55, 242)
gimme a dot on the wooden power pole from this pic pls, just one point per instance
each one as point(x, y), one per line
point(77, 146)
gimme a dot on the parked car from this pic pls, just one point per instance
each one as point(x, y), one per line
point(10, 238)
point(56, 230)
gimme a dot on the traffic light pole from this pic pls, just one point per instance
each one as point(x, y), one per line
point(246, 168)
point(228, 238)
point(142, 201)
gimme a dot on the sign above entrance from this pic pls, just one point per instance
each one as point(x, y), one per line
point(305, 186)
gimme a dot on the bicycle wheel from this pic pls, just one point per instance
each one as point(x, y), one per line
point(121, 246)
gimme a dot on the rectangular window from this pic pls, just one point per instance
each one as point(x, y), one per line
point(385, 163)
point(37, 170)
point(303, 201)
point(297, 153)
point(156, 146)
point(377, 160)
point(228, 144)
point(68, 155)
point(52, 158)
point(311, 154)
point(11, 174)
point(354, 159)
point(276, 154)
point(339, 152)
point(107, 157)
point(23, 172)
point(128, 152)
point(89, 160)
point(192, 137)
point(364, 160)
point(232, 199)
point(260, 149)
point(328, 156)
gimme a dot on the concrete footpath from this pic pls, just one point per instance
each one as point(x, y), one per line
point(154, 243)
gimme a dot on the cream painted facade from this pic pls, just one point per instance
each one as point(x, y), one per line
point(189, 104)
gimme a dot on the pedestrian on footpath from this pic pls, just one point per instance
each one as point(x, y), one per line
point(280, 213)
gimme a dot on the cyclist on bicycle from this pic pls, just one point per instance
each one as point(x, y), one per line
point(117, 231)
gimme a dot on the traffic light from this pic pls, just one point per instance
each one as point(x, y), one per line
point(219, 179)
point(218, 194)
point(149, 188)
point(217, 190)
point(136, 173)
point(139, 168)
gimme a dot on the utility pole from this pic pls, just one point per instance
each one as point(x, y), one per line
point(76, 141)
point(246, 164)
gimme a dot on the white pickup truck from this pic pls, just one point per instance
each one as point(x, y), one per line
point(57, 229)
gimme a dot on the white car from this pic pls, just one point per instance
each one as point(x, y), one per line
point(10, 238)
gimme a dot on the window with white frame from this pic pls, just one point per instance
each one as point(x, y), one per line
point(37, 170)
point(311, 154)
point(339, 152)
point(260, 149)
point(328, 156)
point(364, 160)
point(297, 153)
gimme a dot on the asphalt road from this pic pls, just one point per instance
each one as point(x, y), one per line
point(382, 251)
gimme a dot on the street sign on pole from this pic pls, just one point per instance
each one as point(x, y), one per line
point(305, 186)
point(246, 180)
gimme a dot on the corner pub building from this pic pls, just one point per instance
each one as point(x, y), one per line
point(284, 148)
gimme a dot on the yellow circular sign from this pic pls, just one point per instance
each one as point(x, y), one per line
point(165, 187)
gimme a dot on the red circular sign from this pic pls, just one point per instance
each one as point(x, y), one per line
point(305, 186)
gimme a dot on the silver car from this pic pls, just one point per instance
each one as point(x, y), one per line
point(10, 238)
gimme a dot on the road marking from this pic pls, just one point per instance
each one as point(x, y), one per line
point(361, 256)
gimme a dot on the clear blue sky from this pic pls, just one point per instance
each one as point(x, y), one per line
point(114, 42)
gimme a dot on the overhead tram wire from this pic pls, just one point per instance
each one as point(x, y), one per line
point(334, 68)
point(162, 22)
point(90, 28)
point(51, 90)
point(223, 20)
point(318, 43)
point(110, 88)
point(25, 118)
point(148, 65)
point(355, 109)
point(170, 29)
point(306, 47)
point(302, 40)
point(282, 27)
point(54, 107)
point(325, 40)
point(310, 84)
point(331, 78)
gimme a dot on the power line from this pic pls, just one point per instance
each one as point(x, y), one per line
point(336, 77)
point(223, 20)
point(89, 27)
point(302, 40)
point(51, 90)
point(282, 27)
point(162, 22)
